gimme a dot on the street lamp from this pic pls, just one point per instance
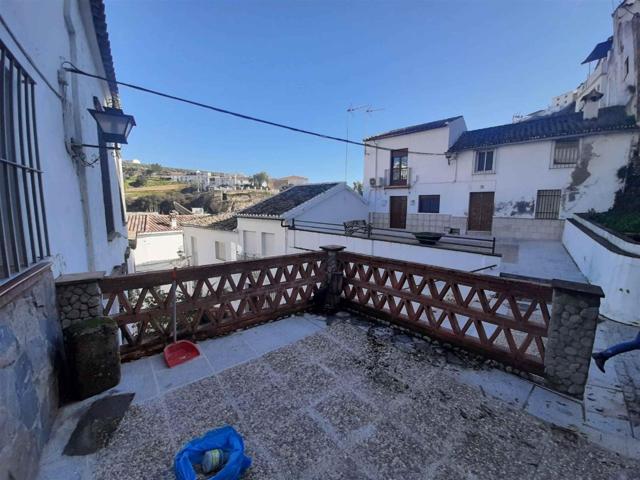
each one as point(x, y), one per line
point(114, 124)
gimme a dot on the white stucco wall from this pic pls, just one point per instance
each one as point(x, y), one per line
point(259, 226)
point(48, 42)
point(340, 207)
point(617, 274)
point(158, 247)
point(300, 241)
point(205, 239)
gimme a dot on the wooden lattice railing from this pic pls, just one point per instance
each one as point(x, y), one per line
point(210, 300)
point(504, 319)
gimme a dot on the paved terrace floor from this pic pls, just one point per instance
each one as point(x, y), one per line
point(547, 259)
point(343, 398)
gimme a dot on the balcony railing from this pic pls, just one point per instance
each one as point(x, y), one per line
point(211, 300)
point(397, 177)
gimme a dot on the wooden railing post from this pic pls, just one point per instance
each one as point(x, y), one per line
point(572, 330)
point(333, 282)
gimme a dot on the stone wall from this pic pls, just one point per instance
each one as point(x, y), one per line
point(30, 363)
point(572, 331)
point(503, 227)
point(79, 297)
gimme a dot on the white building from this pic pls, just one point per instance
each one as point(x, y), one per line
point(260, 230)
point(61, 208)
point(156, 240)
point(519, 180)
point(200, 180)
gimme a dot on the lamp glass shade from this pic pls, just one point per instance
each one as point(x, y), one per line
point(114, 124)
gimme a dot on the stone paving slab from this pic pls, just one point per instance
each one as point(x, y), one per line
point(356, 400)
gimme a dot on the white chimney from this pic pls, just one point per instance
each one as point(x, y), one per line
point(173, 216)
point(591, 104)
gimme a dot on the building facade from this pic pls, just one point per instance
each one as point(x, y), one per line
point(519, 180)
point(61, 204)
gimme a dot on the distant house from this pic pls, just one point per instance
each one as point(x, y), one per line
point(286, 182)
point(518, 180)
point(260, 230)
point(156, 240)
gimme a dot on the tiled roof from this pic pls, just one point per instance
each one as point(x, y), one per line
point(102, 35)
point(551, 126)
point(287, 200)
point(155, 222)
point(414, 128)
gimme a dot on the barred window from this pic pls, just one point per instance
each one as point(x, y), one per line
point(548, 204)
point(23, 223)
point(566, 152)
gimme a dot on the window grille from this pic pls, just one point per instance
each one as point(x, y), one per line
point(24, 239)
point(548, 204)
point(566, 152)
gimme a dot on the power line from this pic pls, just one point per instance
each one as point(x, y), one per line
point(76, 70)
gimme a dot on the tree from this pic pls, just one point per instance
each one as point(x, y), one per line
point(357, 186)
point(260, 178)
point(140, 181)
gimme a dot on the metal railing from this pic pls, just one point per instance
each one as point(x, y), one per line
point(455, 242)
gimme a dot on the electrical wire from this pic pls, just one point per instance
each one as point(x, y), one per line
point(74, 69)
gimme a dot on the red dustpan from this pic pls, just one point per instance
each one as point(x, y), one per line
point(179, 351)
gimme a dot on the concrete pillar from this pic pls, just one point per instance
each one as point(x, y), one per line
point(572, 330)
point(79, 297)
point(333, 284)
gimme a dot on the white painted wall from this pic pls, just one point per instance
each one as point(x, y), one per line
point(300, 241)
point(205, 239)
point(618, 275)
point(76, 245)
point(158, 247)
point(340, 207)
point(252, 229)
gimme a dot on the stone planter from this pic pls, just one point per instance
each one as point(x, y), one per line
point(94, 355)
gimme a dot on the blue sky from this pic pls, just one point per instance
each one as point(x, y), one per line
point(304, 63)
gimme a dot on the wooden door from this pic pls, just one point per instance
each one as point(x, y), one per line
point(480, 211)
point(398, 212)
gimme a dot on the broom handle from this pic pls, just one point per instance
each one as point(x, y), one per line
point(173, 312)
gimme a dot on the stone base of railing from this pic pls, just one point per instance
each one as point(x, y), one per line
point(572, 331)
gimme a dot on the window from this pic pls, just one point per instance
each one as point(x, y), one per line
point(220, 253)
point(24, 239)
point(566, 152)
point(429, 204)
point(484, 162)
point(268, 244)
point(399, 167)
point(548, 204)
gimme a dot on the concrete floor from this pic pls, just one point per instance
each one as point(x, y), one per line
point(545, 259)
point(351, 400)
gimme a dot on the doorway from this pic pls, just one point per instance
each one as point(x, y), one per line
point(480, 211)
point(398, 212)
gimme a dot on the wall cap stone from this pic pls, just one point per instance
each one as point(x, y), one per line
point(75, 278)
point(577, 287)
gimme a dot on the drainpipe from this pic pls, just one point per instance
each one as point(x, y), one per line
point(73, 129)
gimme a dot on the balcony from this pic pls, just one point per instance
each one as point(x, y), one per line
point(370, 371)
point(398, 178)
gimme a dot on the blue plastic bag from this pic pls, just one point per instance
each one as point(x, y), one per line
point(225, 438)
